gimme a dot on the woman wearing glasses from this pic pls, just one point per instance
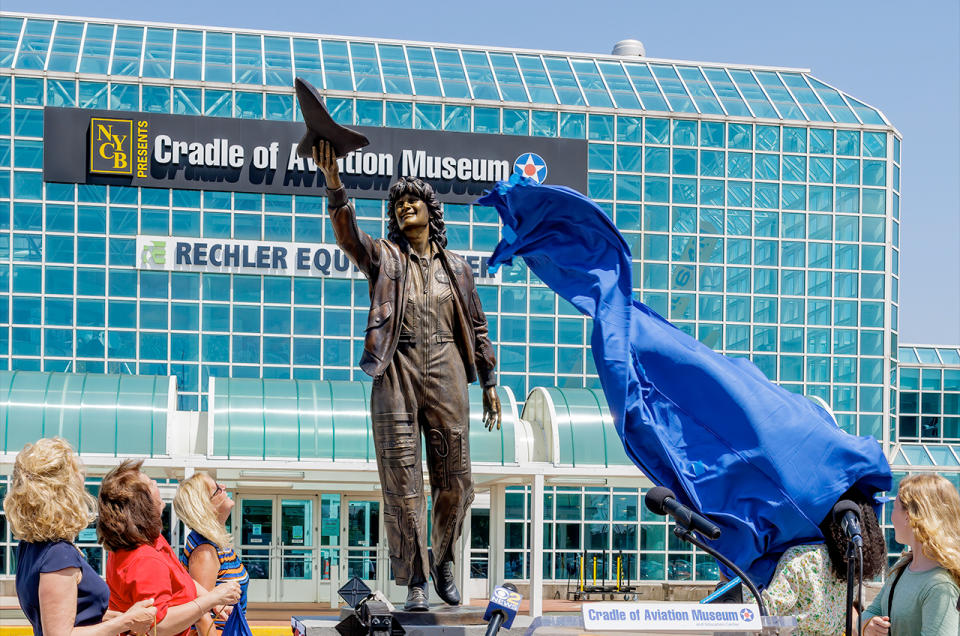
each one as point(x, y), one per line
point(203, 505)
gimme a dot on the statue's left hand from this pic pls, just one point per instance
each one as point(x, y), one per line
point(491, 408)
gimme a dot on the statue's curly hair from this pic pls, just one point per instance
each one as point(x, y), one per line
point(874, 545)
point(424, 192)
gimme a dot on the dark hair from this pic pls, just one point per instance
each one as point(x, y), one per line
point(874, 545)
point(423, 191)
point(127, 515)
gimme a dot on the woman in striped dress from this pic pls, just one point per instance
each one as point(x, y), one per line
point(203, 505)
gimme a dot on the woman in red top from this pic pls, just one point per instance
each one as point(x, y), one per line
point(141, 563)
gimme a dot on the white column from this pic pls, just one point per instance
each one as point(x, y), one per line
point(536, 547)
point(462, 568)
point(498, 538)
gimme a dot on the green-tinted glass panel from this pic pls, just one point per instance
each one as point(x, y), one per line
point(393, 64)
point(34, 44)
point(96, 49)
point(66, 47)
point(276, 61)
point(673, 88)
point(564, 81)
point(619, 85)
point(336, 65)
point(754, 95)
point(126, 51)
point(157, 53)
point(727, 92)
point(306, 60)
point(806, 97)
point(480, 75)
point(646, 87)
point(218, 65)
point(452, 74)
point(700, 90)
point(508, 77)
point(423, 70)
point(189, 53)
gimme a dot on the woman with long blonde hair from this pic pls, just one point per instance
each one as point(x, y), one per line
point(203, 505)
point(47, 507)
point(922, 589)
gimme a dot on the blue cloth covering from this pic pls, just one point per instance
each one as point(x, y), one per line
point(236, 625)
point(764, 464)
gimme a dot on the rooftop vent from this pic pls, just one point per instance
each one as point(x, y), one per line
point(629, 48)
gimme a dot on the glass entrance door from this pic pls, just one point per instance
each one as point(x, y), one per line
point(296, 551)
point(277, 540)
point(364, 542)
point(256, 546)
point(361, 527)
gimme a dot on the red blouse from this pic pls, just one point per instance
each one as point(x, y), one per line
point(149, 571)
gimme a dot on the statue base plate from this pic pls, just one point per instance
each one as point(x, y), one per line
point(441, 620)
point(439, 614)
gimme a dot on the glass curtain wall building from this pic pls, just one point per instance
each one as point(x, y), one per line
point(761, 206)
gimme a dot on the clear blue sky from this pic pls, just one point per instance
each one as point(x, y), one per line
point(901, 57)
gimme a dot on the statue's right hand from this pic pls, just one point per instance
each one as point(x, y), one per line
point(326, 159)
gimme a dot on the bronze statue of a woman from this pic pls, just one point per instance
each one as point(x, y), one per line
point(426, 340)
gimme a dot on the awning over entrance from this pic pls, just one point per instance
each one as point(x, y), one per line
point(330, 420)
point(118, 415)
point(574, 427)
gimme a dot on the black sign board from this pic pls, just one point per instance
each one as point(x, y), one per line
point(245, 155)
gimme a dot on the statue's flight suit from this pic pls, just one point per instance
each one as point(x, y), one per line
point(426, 339)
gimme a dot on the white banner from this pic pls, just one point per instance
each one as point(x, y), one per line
point(271, 258)
point(671, 617)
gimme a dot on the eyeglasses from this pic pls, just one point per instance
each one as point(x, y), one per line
point(216, 492)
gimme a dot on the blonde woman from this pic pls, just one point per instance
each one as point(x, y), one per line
point(203, 505)
point(47, 507)
point(922, 590)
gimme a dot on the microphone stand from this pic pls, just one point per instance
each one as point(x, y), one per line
point(687, 535)
point(854, 571)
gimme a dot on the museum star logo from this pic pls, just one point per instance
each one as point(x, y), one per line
point(746, 614)
point(111, 146)
point(532, 166)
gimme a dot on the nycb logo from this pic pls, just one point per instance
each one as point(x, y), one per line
point(111, 146)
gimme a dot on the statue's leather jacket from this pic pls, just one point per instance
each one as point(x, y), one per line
point(385, 266)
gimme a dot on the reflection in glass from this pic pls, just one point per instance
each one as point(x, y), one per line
point(396, 77)
point(66, 47)
point(126, 51)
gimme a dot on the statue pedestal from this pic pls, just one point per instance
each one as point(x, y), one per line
point(441, 620)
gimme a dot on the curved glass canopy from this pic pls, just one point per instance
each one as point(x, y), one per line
point(576, 426)
point(326, 420)
point(119, 415)
point(194, 53)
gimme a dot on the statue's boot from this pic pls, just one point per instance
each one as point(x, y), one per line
point(444, 583)
point(417, 599)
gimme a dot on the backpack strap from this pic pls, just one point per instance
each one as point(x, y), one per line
point(893, 586)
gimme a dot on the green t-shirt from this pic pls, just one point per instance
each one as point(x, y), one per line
point(924, 604)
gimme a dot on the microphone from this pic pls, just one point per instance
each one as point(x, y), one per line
point(662, 501)
point(847, 514)
point(502, 609)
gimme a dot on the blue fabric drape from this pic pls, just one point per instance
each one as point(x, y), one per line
point(765, 464)
point(236, 624)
